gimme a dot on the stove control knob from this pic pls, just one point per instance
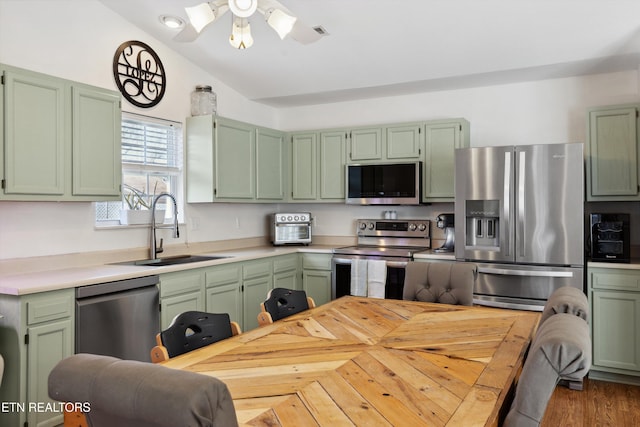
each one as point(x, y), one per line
point(371, 226)
point(289, 218)
point(362, 225)
point(422, 227)
point(296, 218)
point(412, 227)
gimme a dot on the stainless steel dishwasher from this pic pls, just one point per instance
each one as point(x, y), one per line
point(119, 319)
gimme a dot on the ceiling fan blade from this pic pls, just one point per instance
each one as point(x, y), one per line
point(302, 33)
point(188, 34)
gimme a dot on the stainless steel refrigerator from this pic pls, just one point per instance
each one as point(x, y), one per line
point(519, 216)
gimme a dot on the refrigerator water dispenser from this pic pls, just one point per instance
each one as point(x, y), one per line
point(482, 223)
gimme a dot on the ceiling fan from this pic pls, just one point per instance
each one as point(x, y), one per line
point(275, 14)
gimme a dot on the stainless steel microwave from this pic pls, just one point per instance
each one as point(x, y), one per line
point(384, 183)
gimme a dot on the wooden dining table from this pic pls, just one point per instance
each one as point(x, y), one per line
point(372, 362)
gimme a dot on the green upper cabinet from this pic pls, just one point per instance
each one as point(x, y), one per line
point(228, 160)
point(404, 141)
point(61, 139)
point(332, 166)
point(97, 168)
point(235, 163)
point(270, 164)
point(304, 161)
point(612, 154)
point(366, 144)
point(389, 143)
point(35, 120)
point(318, 166)
point(442, 137)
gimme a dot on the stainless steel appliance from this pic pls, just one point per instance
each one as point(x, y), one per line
point(119, 319)
point(519, 215)
point(446, 222)
point(392, 240)
point(609, 235)
point(384, 183)
point(290, 228)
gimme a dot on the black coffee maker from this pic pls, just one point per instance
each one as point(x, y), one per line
point(446, 222)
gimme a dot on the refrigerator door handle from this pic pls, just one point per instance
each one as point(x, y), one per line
point(521, 203)
point(533, 273)
point(506, 217)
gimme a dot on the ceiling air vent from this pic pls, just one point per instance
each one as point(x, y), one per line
point(320, 30)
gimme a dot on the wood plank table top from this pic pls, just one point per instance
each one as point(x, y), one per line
point(372, 362)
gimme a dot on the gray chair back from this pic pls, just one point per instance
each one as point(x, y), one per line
point(566, 299)
point(127, 393)
point(561, 349)
point(443, 282)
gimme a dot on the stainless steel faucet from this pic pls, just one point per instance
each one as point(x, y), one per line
point(154, 250)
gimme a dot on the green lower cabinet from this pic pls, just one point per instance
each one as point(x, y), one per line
point(238, 289)
point(286, 272)
point(316, 277)
point(615, 322)
point(49, 343)
point(616, 330)
point(257, 281)
point(223, 291)
point(36, 333)
point(179, 292)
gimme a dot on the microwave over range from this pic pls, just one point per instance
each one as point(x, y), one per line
point(384, 183)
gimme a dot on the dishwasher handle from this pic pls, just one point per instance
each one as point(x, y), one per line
point(117, 286)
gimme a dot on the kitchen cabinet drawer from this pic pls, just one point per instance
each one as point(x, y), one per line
point(316, 261)
point(223, 275)
point(622, 280)
point(285, 263)
point(49, 306)
point(182, 282)
point(255, 269)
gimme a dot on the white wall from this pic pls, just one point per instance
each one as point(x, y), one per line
point(77, 40)
point(547, 111)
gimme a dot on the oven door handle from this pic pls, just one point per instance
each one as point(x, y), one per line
point(397, 264)
point(391, 264)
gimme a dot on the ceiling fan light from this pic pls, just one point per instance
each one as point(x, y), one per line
point(240, 37)
point(243, 8)
point(200, 16)
point(281, 22)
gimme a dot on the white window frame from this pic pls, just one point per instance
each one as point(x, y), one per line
point(171, 165)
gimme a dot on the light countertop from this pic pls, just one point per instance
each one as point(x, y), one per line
point(49, 280)
point(42, 281)
point(633, 265)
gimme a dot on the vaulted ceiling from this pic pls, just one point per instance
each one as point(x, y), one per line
point(383, 48)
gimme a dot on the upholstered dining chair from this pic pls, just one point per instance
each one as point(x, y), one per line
point(561, 349)
point(443, 282)
point(281, 303)
point(566, 299)
point(191, 330)
point(127, 393)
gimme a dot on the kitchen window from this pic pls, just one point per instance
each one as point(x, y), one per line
point(152, 163)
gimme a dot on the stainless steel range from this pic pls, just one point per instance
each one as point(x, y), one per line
point(393, 241)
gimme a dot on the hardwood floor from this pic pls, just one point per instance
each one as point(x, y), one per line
point(599, 404)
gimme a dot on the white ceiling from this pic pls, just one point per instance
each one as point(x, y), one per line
point(383, 48)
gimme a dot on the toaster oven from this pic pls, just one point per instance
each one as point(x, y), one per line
point(291, 228)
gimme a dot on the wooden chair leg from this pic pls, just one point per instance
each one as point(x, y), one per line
point(75, 419)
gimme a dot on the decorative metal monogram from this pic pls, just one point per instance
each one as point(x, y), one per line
point(139, 74)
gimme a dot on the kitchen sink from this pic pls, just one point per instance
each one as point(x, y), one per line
point(182, 259)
